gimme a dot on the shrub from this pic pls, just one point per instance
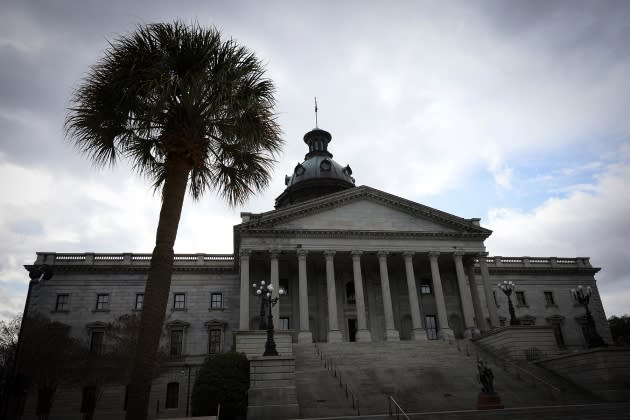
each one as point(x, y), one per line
point(222, 379)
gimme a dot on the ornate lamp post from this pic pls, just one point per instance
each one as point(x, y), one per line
point(583, 296)
point(265, 292)
point(508, 287)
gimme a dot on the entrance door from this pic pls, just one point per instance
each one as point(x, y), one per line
point(352, 329)
point(431, 327)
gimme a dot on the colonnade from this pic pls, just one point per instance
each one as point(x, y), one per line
point(470, 303)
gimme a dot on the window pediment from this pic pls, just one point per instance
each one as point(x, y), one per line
point(177, 324)
point(98, 325)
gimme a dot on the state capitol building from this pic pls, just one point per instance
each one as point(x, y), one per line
point(358, 265)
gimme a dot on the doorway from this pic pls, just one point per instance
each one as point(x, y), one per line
point(352, 329)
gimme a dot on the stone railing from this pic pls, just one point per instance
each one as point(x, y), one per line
point(127, 258)
point(498, 261)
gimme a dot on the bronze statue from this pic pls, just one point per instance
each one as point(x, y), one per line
point(486, 377)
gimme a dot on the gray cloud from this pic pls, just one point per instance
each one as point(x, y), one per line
point(420, 97)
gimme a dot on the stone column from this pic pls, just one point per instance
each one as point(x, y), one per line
point(391, 334)
point(417, 332)
point(464, 293)
point(246, 289)
point(275, 282)
point(487, 288)
point(334, 335)
point(474, 292)
point(305, 335)
point(363, 334)
point(444, 329)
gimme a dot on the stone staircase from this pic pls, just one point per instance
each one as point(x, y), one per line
point(603, 411)
point(423, 376)
point(318, 391)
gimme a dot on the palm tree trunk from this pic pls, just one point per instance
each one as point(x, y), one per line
point(157, 288)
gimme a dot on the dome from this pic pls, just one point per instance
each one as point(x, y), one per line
point(318, 175)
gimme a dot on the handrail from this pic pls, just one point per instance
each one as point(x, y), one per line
point(329, 365)
point(519, 370)
point(398, 409)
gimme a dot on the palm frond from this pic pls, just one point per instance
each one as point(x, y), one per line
point(176, 89)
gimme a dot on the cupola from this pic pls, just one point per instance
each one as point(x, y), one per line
point(318, 175)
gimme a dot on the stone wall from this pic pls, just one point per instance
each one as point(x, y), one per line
point(520, 342)
point(604, 371)
point(272, 393)
point(252, 343)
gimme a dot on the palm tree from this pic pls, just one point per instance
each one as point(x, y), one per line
point(191, 111)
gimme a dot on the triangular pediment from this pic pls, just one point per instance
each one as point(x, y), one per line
point(362, 209)
point(364, 214)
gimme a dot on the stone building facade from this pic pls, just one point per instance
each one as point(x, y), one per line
point(358, 264)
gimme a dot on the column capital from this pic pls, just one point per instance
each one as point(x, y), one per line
point(434, 254)
point(356, 254)
point(330, 253)
point(273, 253)
point(458, 254)
point(382, 253)
point(302, 253)
point(482, 254)
point(409, 254)
point(244, 252)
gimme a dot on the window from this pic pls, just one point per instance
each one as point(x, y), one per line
point(179, 302)
point(350, 295)
point(88, 399)
point(284, 284)
point(549, 299)
point(214, 345)
point(63, 303)
point(557, 332)
point(425, 289)
point(102, 302)
point(284, 323)
point(126, 401)
point(96, 342)
point(177, 342)
point(216, 301)
point(139, 301)
point(520, 299)
point(172, 395)
point(431, 327)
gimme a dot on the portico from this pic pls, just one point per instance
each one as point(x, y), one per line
point(366, 295)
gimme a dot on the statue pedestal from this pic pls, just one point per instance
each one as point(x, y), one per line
point(489, 401)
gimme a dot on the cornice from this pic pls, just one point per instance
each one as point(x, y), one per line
point(127, 269)
point(539, 270)
point(334, 233)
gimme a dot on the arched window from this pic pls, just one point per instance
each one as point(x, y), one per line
point(350, 296)
point(172, 395)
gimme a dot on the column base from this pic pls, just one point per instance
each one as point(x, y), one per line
point(446, 334)
point(419, 334)
point(364, 336)
point(305, 337)
point(392, 335)
point(471, 332)
point(334, 336)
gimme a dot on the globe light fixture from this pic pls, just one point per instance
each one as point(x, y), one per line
point(265, 292)
point(582, 295)
point(507, 287)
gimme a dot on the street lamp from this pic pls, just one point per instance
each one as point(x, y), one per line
point(583, 296)
point(265, 291)
point(508, 287)
point(262, 325)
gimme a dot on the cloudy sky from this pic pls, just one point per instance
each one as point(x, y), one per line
point(515, 112)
